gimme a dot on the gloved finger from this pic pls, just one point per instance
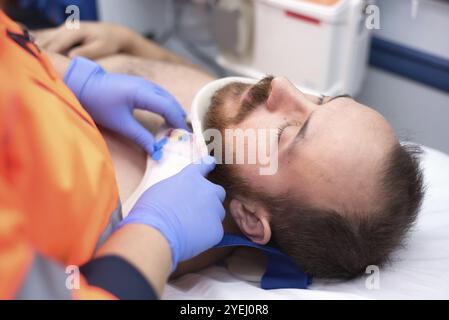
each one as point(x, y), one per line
point(218, 230)
point(202, 166)
point(163, 103)
point(93, 50)
point(61, 44)
point(222, 214)
point(205, 165)
point(140, 135)
point(164, 93)
point(168, 108)
point(219, 191)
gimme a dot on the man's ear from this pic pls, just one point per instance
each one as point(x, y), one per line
point(252, 219)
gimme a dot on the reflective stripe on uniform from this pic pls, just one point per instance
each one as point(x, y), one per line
point(114, 220)
point(46, 280)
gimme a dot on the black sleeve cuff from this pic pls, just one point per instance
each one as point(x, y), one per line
point(119, 277)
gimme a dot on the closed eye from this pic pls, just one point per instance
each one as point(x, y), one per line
point(281, 129)
point(338, 97)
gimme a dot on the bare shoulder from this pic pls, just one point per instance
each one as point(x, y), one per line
point(180, 80)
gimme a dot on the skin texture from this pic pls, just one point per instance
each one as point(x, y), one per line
point(336, 165)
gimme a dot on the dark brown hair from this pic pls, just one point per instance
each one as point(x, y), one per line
point(331, 244)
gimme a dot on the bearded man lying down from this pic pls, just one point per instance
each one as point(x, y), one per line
point(346, 190)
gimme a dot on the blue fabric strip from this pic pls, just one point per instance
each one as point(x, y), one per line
point(55, 9)
point(117, 276)
point(281, 273)
point(410, 63)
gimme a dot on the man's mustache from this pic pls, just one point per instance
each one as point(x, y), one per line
point(258, 94)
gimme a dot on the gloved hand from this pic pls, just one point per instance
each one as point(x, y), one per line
point(186, 208)
point(111, 98)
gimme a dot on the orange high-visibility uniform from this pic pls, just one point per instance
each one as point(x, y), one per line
point(57, 182)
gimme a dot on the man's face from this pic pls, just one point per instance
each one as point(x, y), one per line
point(331, 150)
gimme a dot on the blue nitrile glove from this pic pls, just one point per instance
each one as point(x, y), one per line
point(110, 99)
point(186, 208)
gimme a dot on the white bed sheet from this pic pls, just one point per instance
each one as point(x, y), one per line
point(419, 271)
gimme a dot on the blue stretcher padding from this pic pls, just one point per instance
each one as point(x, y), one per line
point(55, 10)
point(281, 273)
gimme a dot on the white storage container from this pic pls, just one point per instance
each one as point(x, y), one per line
point(323, 48)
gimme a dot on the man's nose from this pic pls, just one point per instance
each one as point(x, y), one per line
point(285, 96)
